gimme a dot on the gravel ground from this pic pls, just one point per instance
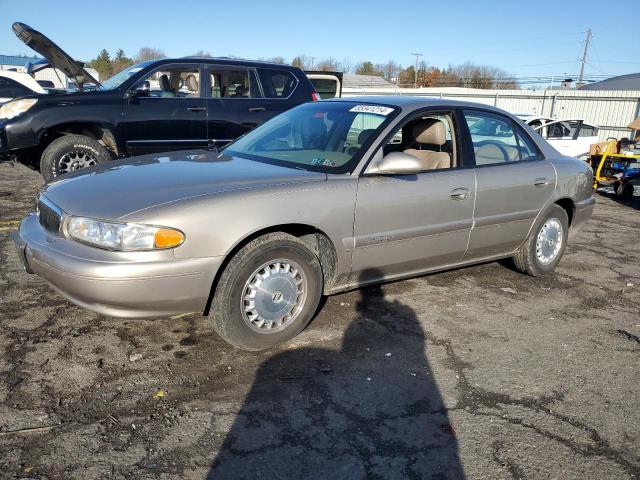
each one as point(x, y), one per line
point(479, 372)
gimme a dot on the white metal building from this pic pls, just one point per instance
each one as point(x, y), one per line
point(611, 110)
point(19, 63)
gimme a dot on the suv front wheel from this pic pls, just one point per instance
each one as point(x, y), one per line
point(69, 153)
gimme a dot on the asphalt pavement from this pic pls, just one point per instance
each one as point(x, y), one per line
point(479, 373)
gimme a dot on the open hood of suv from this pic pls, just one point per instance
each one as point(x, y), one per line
point(52, 52)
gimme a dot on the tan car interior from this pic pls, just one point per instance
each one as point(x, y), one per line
point(176, 84)
point(493, 152)
point(429, 136)
point(192, 85)
point(230, 84)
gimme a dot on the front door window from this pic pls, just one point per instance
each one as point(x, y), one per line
point(171, 82)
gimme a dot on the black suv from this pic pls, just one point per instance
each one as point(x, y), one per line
point(154, 106)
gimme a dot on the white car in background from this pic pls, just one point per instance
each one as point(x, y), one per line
point(16, 84)
point(571, 137)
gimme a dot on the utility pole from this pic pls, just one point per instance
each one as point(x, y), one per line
point(584, 58)
point(312, 59)
point(415, 72)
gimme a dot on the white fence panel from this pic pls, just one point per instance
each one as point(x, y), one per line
point(611, 110)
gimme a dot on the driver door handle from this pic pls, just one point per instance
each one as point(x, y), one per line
point(459, 193)
point(257, 109)
point(196, 109)
point(541, 182)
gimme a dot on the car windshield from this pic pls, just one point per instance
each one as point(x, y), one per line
point(324, 136)
point(119, 78)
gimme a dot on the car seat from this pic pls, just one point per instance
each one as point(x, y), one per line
point(430, 132)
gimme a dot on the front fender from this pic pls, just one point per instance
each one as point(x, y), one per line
point(215, 225)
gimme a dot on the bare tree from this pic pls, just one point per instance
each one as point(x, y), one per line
point(329, 64)
point(148, 53)
point(368, 68)
point(390, 70)
point(300, 61)
point(471, 75)
point(346, 65)
point(202, 53)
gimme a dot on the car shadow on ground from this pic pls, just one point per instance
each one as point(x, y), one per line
point(378, 415)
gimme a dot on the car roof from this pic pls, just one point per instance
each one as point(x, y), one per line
point(225, 61)
point(409, 103)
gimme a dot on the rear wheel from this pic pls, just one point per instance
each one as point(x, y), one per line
point(69, 153)
point(545, 245)
point(268, 292)
point(624, 190)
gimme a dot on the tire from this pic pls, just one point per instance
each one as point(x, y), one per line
point(539, 259)
point(256, 329)
point(624, 191)
point(70, 153)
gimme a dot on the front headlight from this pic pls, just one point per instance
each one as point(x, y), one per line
point(122, 236)
point(16, 107)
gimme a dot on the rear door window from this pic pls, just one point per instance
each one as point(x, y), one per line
point(233, 82)
point(277, 83)
point(496, 140)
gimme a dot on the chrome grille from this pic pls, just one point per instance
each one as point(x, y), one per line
point(49, 215)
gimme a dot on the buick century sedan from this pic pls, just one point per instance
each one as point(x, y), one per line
point(326, 197)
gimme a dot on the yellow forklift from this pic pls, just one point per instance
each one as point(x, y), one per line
point(617, 165)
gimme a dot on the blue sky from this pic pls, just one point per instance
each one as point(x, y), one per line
point(525, 38)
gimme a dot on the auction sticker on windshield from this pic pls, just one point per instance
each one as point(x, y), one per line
point(376, 109)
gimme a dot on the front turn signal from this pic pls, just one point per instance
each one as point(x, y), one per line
point(168, 238)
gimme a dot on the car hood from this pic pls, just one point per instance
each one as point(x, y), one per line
point(119, 188)
point(52, 52)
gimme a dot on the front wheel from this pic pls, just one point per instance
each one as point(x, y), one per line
point(69, 153)
point(545, 245)
point(268, 292)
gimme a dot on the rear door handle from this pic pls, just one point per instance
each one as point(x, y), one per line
point(257, 109)
point(459, 193)
point(541, 182)
point(196, 109)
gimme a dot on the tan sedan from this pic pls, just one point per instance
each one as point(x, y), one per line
point(324, 198)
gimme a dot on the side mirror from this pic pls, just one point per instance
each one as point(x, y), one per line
point(132, 94)
point(138, 90)
point(394, 163)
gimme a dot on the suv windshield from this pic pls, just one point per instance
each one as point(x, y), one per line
point(325, 136)
point(119, 78)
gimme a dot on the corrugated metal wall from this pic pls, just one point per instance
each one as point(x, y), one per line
point(611, 110)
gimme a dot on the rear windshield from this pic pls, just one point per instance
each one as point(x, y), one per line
point(323, 136)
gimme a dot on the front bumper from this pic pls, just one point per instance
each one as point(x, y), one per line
point(582, 213)
point(118, 284)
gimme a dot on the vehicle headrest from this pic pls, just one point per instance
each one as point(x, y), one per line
point(313, 132)
point(192, 83)
point(165, 85)
point(364, 135)
point(429, 131)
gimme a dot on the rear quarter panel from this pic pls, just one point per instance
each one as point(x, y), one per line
point(574, 179)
